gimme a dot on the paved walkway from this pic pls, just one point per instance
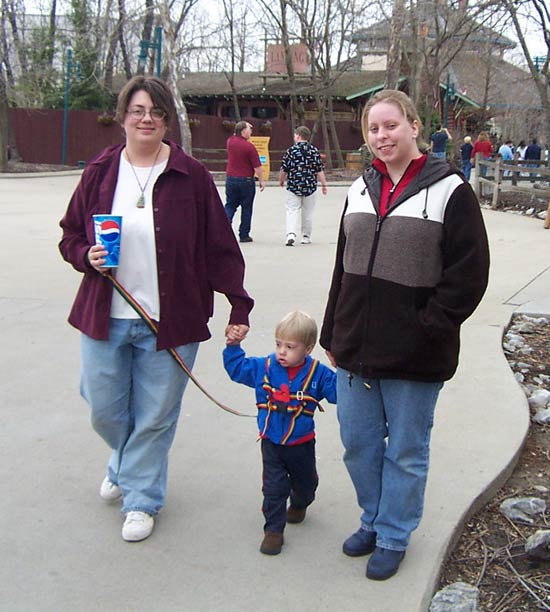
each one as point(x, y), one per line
point(61, 546)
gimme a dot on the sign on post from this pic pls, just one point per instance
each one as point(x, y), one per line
point(262, 146)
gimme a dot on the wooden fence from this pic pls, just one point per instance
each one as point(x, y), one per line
point(38, 135)
point(521, 176)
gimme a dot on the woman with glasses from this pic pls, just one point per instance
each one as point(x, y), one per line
point(177, 248)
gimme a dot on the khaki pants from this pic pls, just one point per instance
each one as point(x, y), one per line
point(299, 214)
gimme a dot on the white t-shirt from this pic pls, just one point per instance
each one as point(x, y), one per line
point(137, 269)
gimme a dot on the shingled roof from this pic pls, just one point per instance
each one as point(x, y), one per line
point(254, 84)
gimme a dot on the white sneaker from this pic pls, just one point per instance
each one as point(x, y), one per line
point(109, 491)
point(290, 239)
point(137, 526)
point(306, 240)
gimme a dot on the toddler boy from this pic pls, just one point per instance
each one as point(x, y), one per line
point(289, 384)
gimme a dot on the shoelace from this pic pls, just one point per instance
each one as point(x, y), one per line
point(136, 517)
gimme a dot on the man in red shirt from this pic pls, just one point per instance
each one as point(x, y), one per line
point(243, 162)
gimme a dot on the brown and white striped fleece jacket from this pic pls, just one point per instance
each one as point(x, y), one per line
point(403, 284)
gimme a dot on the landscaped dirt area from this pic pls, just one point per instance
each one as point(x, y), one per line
point(490, 554)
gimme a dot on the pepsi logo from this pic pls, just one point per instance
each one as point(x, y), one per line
point(110, 230)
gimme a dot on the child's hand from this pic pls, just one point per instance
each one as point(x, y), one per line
point(235, 334)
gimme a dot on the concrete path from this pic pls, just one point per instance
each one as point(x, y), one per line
point(61, 546)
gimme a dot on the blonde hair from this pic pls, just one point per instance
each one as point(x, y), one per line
point(403, 103)
point(467, 139)
point(297, 326)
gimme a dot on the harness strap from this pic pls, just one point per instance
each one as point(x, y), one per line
point(300, 396)
point(154, 328)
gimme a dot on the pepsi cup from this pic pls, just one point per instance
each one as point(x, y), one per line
point(107, 232)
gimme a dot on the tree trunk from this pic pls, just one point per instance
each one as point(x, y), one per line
point(4, 123)
point(289, 66)
point(230, 20)
point(394, 54)
point(51, 33)
point(120, 34)
point(321, 105)
point(334, 134)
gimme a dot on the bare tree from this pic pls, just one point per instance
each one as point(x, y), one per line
point(4, 122)
point(10, 10)
point(229, 8)
point(537, 14)
point(117, 39)
point(172, 17)
point(50, 50)
point(326, 26)
point(277, 25)
point(394, 52)
point(436, 33)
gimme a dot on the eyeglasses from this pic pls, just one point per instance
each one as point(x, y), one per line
point(157, 114)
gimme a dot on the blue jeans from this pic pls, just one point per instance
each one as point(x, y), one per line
point(386, 435)
point(240, 192)
point(440, 154)
point(467, 168)
point(135, 393)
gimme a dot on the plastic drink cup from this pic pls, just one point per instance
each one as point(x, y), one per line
point(107, 232)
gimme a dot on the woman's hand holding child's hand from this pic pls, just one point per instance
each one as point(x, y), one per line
point(235, 334)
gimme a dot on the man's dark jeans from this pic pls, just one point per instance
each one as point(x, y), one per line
point(240, 191)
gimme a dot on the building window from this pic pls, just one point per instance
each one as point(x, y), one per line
point(229, 111)
point(264, 112)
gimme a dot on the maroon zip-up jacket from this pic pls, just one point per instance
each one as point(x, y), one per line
point(197, 252)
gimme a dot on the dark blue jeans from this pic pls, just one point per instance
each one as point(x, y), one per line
point(240, 192)
point(467, 168)
point(287, 471)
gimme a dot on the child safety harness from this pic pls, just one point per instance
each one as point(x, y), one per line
point(281, 400)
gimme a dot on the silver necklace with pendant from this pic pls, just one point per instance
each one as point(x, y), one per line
point(141, 200)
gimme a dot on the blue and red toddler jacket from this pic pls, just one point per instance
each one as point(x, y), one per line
point(285, 407)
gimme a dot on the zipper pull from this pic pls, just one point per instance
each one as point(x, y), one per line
point(378, 223)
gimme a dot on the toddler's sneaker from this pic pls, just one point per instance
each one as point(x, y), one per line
point(109, 491)
point(306, 239)
point(137, 526)
point(290, 239)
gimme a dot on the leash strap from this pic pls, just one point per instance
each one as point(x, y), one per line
point(154, 328)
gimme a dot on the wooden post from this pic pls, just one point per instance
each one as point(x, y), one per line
point(477, 182)
point(494, 202)
point(547, 219)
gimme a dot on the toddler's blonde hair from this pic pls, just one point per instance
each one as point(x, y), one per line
point(298, 326)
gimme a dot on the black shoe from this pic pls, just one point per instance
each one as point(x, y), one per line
point(246, 239)
point(359, 544)
point(384, 563)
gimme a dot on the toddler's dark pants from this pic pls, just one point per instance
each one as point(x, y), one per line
point(288, 471)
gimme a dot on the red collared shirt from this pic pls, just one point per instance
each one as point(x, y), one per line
point(242, 157)
point(389, 190)
point(197, 252)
